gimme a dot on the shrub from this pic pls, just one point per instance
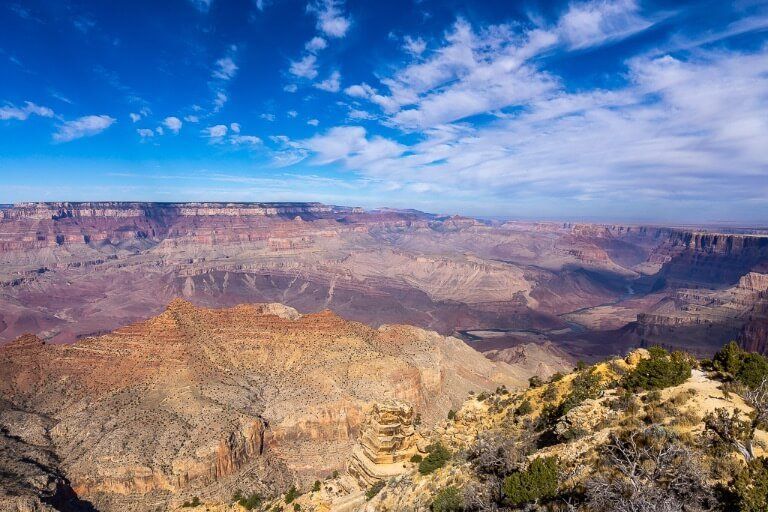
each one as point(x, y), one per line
point(374, 489)
point(557, 376)
point(538, 482)
point(194, 503)
point(660, 371)
point(753, 369)
point(416, 458)
point(437, 457)
point(585, 385)
point(535, 381)
point(448, 500)
point(550, 394)
point(296, 507)
point(316, 486)
point(292, 494)
point(750, 487)
point(451, 414)
point(524, 408)
point(728, 358)
point(251, 502)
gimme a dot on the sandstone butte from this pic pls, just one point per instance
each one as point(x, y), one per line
point(203, 402)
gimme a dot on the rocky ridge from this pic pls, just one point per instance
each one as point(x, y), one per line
point(206, 401)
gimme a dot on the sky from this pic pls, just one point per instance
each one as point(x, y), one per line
point(609, 110)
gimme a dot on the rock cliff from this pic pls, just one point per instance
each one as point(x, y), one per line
point(203, 401)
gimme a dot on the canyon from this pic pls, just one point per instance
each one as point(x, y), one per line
point(70, 270)
point(152, 353)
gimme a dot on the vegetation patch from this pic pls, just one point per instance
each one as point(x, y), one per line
point(448, 500)
point(660, 371)
point(437, 457)
point(538, 482)
point(374, 490)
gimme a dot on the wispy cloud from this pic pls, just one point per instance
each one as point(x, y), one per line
point(86, 126)
point(22, 113)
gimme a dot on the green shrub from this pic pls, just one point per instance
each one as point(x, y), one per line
point(437, 457)
point(556, 377)
point(660, 371)
point(194, 503)
point(753, 369)
point(728, 358)
point(535, 381)
point(251, 502)
point(316, 486)
point(292, 494)
point(296, 507)
point(585, 385)
point(750, 487)
point(524, 408)
point(448, 500)
point(451, 414)
point(416, 458)
point(538, 482)
point(374, 489)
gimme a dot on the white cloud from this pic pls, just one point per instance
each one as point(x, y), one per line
point(145, 133)
point(330, 84)
point(360, 91)
point(235, 127)
point(591, 23)
point(316, 44)
point(191, 119)
point(245, 140)
point(173, 123)
point(292, 113)
point(304, 68)
point(23, 113)
point(678, 131)
point(350, 145)
point(216, 132)
point(219, 101)
point(291, 88)
point(268, 117)
point(85, 126)
point(359, 115)
point(331, 19)
point(414, 46)
point(313, 122)
point(134, 117)
point(225, 68)
point(159, 130)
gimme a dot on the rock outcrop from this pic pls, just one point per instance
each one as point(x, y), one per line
point(387, 440)
point(203, 401)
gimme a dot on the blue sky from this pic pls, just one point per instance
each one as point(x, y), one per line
point(596, 110)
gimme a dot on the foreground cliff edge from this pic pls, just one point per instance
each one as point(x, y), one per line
point(204, 402)
point(651, 432)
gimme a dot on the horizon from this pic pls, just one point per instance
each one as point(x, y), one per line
point(632, 111)
point(735, 226)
